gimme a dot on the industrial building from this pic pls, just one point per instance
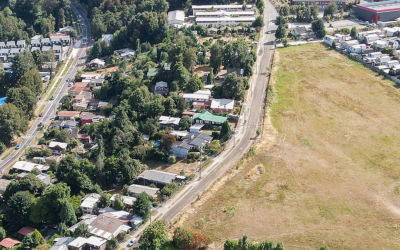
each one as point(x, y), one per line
point(378, 11)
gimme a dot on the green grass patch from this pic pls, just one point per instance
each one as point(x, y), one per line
point(69, 64)
point(53, 90)
point(40, 110)
point(5, 157)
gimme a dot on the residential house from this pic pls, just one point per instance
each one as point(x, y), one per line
point(161, 88)
point(11, 44)
point(96, 82)
point(2, 45)
point(9, 243)
point(208, 118)
point(195, 128)
point(55, 40)
point(168, 121)
point(45, 178)
point(374, 55)
point(26, 230)
point(356, 48)
point(89, 203)
point(383, 59)
point(90, 118)
point(75, 90)
point(46, 48)
point(191, 142)
point(84, 85)
point(212, 31)
point(159, 178)
point(394, 43)
point(299, 31)
point(390, 32)
point(106, 225)
point(126, 53)
point(79, 103)
point(380, 44)
point(21, 44)
point(68, 115)
point(96, 63)
point(347, 44)
point(222, 105)
point(152, 72)
point(391, 63)
point(46, 42)
point(34, 48)
point(135, 190)
point(328, 39)
point(176, 18)
point(188, 113)
point(62, 124)
point(195, 97)
point(61, 243)
point(201, 105)
point(57, 51)
point(35, 43)
point(127, 200)
point(58, 147)
point(367, 51)
point(369, 39)
point(65, 40)
point(21, 175)
point(4, 55)
point(24, 166)
point(92, 243)
point(3, 185)
point(84, 138)
point(13, 52)
point(107, 38)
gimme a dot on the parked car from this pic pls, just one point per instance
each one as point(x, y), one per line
point(52, 98)
point(18, 146)
point(132, 242)
point(41, 114)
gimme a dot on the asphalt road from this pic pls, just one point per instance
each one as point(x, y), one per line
point(51, 106)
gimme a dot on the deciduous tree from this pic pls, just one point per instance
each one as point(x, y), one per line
point(154, 237)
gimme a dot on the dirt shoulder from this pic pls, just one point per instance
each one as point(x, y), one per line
point(327, 169)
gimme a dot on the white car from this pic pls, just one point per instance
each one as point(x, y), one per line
point(132, 242)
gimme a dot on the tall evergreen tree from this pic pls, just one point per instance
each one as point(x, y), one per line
point(67, 214)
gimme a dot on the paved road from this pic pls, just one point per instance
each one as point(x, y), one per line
point(244, 136)
point(51, 106)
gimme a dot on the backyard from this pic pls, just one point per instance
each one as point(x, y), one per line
point(327, 169)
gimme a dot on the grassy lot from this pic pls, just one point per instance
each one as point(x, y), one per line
point(327, 170)
point(39, 110)
point(69, 64)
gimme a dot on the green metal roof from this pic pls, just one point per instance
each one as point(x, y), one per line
point(207, 116)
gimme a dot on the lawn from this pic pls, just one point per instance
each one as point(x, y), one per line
point(327, 169)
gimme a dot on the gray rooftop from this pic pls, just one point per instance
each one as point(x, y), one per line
point(158, 176)
point(138, 189)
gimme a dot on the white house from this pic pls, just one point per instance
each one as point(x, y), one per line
point(58, 147)
point(222, 105)
point(349, 43)
point(176, 18)
point(329, 39)
point(356, 48)
point(392, 63)
point(89, 203)
point(96, 63)
point(195, 97)
point(375, 55)
point(25, 166)
point(299, 31)
point(383, 59)
point(224, 20)
point(371, 38)
point(380, 44)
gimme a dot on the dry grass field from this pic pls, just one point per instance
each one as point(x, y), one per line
point(327, 170)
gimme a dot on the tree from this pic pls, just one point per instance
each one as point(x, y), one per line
point(2, 147)
point(181, 75)
point(125, 190)
point(318, 27)
point(141, 206)
point(16, 215)
point(259, 22)
point(331, 9)
point(353, 32)
point(261, 6)
point(280, 32)
point(138, 46)
point(38, 58)
point(280, 20)
point(50, 58)
point(12, 122)
point(82, 231)
point(118, 204)
point(24, 99)
point(233, 87)
point(67, 214)
point(216, 57)
point(182, 238)
point(22, 63)
point(167, 142)
point(104, 200)
point(96, 50)
point(190, 58)
point(201, 241)
point(28, 243)
point(154, 237)
point(185, 122)
point(2, 233)
point(32, 80)
point(225, 132)
point(210, 77)
point(194, 84)
point(112, 244)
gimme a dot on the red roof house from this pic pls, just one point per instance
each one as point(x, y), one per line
point(9, 243)
point(26, 230)
point(67, 115)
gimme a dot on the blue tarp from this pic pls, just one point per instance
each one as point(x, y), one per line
point(2, 101)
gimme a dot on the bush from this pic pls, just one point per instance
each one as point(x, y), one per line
point(171, 159)
point(191, 177)
point(206, 43)
point(217, 36)
point(2, 147)
point(192, 157)
point(42, 141)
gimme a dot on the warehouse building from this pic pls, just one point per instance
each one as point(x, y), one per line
point(378, 11)
point(211, 8)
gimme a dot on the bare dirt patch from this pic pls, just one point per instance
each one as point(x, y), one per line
point(331, 162)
